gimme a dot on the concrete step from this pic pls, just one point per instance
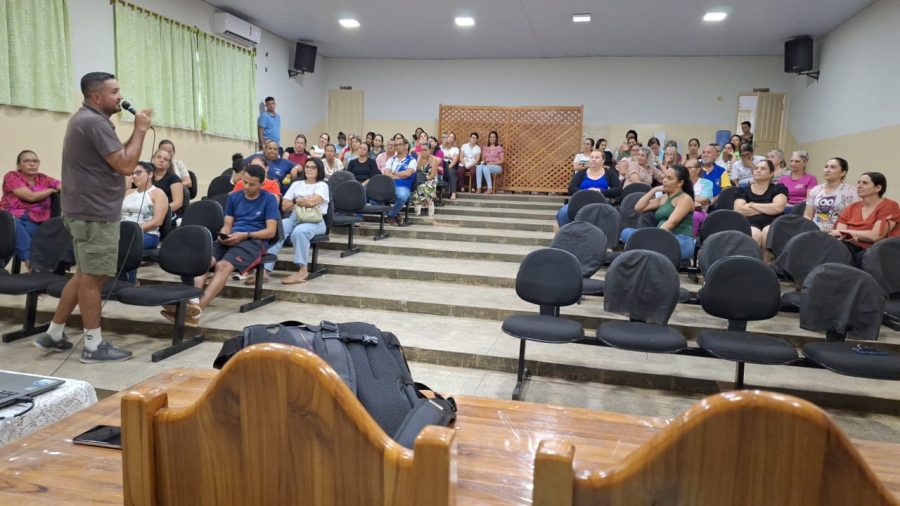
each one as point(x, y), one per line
point(503, 204)
point(513, 197)
point(492, 212)
point(435, 248)
point(450, 233)
point(544, 224)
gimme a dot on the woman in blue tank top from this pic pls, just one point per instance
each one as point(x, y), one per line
point(597, 177)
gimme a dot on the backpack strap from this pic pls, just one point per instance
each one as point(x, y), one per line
point(229, 348)
point(438, 411)
point(336, 354)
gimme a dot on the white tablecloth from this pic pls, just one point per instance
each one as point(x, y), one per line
point(50, 407)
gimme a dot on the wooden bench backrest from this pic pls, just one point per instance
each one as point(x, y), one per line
point(276, 426)
point(746, 447)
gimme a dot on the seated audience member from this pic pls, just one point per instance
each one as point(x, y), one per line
point(470, 155)
point(166, 180)
point(693, 151)
point(491, 164)
point(580, 162)
point(341, 146)
point(703, 194)
point(363, 167)
point(352, 150)
point(869, 220)
point(761, 201)
point(178, 166)
point(269, 185)
point(624, 149)
point(674, 208)
point(236, 172)
point(251, 220)
point(277, 168)
point(426, 180)
point(421, 140)
point(370, 140)
point(403, 171)
point(26, 195)
point(715, 174)
point(236, 160)
point(451, 160)
point(735, 142)
point(330, 161)
point(746, 135)
point(438, 154)
point(670, 157)
point(377, 145)
point(596, 177)
point(145, 205)
point(726, 158)
point(318, 150)
point(307, 202)
point(415, 135)
point(742, 169)
point(602, 145)
point(798, 181)
point(653, 144)
point(777, 157)
point(384, 156)
point(825, 202)
point(297, 154)
point(639, 170)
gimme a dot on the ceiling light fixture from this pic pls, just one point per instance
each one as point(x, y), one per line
point(581, 18)
point(464, 21)
point(349, 23)
point(715, 16)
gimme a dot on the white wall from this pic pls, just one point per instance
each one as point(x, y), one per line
point(299, 99)
point(858, 87)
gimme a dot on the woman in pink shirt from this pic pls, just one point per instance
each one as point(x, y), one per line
point(798, 182)
point(492, 162)
point(26, 195)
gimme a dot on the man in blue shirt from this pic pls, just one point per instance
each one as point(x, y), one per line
point(251, 220)
point(279, 168)
point(713, 172)
point(269, 124)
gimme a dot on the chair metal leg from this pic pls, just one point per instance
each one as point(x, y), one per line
point(258, 299)
point(28, 328)
point(351, 250)
point(522, 373)
point(179, 343)
point(381, 233)
point(739, 376)
point(315, 270)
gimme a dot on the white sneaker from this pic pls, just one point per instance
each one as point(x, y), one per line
point(417, 208)
point(430, 208)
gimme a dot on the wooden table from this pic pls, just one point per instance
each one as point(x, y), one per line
point(496, 441)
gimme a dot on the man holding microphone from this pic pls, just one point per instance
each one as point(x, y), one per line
point(95, 166)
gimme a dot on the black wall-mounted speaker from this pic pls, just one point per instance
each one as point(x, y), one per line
point(798, 55)
point(305, 58)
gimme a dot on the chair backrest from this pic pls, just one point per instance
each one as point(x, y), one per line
point(734, 447)
point(55, 205)
point(349, 197)
point(185, 202)
point(166, 226)
point(729, 243)
point(805, 251)
point(799, 209)
point(586, 242)
point(7, 237)
point(741, 289)
point(221, 198)
point(603, 216)
point(337, 178)
point(381, 189)
point(583, 198)
point(724, 219)
point(783, 228)
point(219, 185)
point(726, 198)
point(51, 247)
point(882, 261)
point(658, 240)
point(628, 216)
point(329, 216)
point(207, 213)
point(841, 300)
point(193, 188)
point(187, 251)
point(549, 277)
point(639, 188)
point(642, 285)
point(131, 246)
point(276, 426)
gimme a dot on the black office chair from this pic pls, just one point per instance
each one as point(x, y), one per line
point(628, 217)
point(186, 254)
point(337, 178)
point(7, 239)
point(221, 199)
point(381, 190)
point(550, 278)
point(783, 228)
point(635, 188)
point(660, 241)
point(219, 185)
point(882, 261)
point(349, 200)
point(721, 220)
point(799, 209)
point(642, 285)
point(192, 191)
point(726, 198)
point(743, 289)
point(315, 270)
point(152, 255)
point(259, 273)
point(801, 255)
point(588, 244)
point(606, 218)
point(206, 213)
point(583, 198)
point(843, 301)
point(729, 243)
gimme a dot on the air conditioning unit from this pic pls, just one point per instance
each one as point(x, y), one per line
point(236, 29)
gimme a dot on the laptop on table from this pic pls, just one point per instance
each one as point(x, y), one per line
point(14, 385)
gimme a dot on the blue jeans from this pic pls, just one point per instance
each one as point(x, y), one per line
point(402, 193)
point(486, 171)
point(300, 234)
point(685, 242)
point(150, 242)
point(25, 228)
point(562, 216)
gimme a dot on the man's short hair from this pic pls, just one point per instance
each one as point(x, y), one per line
point(93, 81)
point(269, 99)
point(257, 172)
point(746, 123)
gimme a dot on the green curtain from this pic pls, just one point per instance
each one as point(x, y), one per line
point(227, 89)
point(35, 55)
point(155, 66)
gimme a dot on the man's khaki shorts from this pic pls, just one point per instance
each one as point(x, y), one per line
point(96, 245)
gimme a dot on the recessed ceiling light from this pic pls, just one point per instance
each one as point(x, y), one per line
point(349, 23)
point(465, 21)
point(715, 16)
point(581, 18)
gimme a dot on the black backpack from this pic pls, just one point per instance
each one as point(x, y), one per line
point(370, 362)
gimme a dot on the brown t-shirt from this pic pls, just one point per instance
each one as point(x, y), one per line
point(92, 190)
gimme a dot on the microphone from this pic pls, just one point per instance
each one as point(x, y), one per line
point(127, 106)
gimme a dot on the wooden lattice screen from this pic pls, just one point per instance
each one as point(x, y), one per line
point(539, 141)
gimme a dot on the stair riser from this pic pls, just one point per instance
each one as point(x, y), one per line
point(424, 233)
point(384, 248)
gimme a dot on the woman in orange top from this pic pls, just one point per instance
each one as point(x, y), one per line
point(870, 220)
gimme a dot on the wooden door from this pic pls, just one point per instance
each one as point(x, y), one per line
point(769, 125)
point(345, 112)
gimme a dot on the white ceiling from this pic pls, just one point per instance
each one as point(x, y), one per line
point(424, 29)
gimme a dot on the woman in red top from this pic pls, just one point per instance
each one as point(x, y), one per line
point(26, 195)
point(870, 220)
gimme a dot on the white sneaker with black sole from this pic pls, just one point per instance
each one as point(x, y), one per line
point(105, 352)
point(47, 343)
